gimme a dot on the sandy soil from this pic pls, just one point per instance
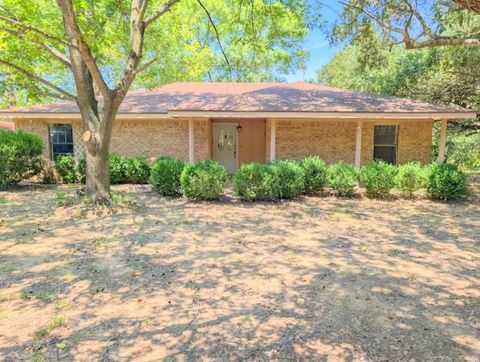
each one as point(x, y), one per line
point(319, 278)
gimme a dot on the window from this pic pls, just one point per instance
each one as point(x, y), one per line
point(61, 140)
point(385, 144)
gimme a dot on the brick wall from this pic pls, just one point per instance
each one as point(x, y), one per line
point(334, 140)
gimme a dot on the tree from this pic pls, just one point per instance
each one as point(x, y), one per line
point(91, 53)
point(415, 23)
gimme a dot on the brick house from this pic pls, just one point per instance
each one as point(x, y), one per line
point(235, 123)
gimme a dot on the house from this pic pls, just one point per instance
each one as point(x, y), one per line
point(235, 123)
point(9, 126)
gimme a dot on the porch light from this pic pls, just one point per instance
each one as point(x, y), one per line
point(239, 128)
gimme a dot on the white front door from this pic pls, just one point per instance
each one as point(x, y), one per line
point(225, 145)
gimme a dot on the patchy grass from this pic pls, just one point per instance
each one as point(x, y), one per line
point(158, 278)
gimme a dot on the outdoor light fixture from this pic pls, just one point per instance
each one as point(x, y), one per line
point(239, 128)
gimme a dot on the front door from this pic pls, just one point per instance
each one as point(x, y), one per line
point(225, 145)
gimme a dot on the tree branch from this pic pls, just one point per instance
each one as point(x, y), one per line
point(64, 94)
point(25, 27)
point(70, 20)
point(217, 36)
point(50, 49)
point(162, 10)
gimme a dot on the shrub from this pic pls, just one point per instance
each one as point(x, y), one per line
point(204, 180)
point(82, 170)
point(378, 177)
point(165, 176)
point(254, 181)
point(138, 170)
point(342, 178)
point(118, 168)
point(66, 168)
point(20, 157)
point(315, 171)
point(291, 178)
point(446, 181)
point(410, 177)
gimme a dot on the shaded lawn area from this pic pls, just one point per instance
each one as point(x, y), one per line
point(318, 278)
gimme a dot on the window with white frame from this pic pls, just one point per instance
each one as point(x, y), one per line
point(385, 143)
point(61, 140)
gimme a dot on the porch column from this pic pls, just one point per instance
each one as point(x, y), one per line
point(273, 137)
point(441, 141)
point(358, 145)
point(191, 142)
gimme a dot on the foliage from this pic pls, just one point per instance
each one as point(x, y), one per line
point(254, 181)
point(260, 39)
point(416, 25)
point(165, 176)
point(203, 180)
point(118, 168)
point(137, 170)
point(410, 177)
point(20, 157)
point(342, 178)
point(315, 171)
point(67, 168)
point(378, 177)
point(291, 178)
point(446, 181)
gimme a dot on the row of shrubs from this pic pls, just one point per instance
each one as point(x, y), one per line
point(135, 170)
point(284, 179)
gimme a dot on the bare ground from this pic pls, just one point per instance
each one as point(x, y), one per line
point(320, 278)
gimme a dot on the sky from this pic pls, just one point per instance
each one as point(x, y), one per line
point(318, 46)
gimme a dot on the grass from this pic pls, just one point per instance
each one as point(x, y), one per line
point(55, 322)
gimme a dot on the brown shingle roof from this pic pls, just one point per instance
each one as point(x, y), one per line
point(265, 97)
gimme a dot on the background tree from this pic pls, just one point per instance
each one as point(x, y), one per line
point(90, 52)
point(415, 23)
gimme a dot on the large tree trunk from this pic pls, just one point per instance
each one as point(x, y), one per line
point(98, 175)
point(97, 142)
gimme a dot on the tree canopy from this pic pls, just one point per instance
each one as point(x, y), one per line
point(415, 23)
point(200, 40)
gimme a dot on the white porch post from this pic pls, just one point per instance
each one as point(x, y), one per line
point(442, 140)
point(191, 142)
point(273, 137)
point(358, 145)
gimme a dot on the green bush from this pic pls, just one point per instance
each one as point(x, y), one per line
point(138, 170)
point(315, 171)
point(378, 177)
point(165, 176)
point(118, 168)
point(82, 170)
point(342, 178)
point(204, 180)
point(254, 181)
point(20, 157)
point(410, 177)
point(446, 181)
point(67, 169)
point(291, 178)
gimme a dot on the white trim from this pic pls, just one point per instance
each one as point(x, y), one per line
point(191, 141)
point(442, 141)
point(257, 114)
point(326, 115)
point(358, 145)
point(273, 138)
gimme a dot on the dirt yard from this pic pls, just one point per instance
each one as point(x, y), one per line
point(320, 279)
